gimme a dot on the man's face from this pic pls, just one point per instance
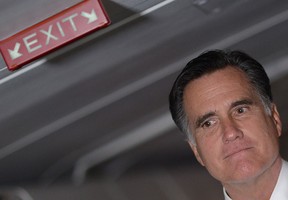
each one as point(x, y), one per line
point(236, 138)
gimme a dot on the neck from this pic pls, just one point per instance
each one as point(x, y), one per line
point(261, 187)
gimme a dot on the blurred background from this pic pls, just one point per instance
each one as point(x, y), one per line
point(91, 120)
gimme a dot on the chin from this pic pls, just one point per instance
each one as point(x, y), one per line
point(244, 172)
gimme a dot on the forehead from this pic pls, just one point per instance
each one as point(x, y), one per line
point(216, 89)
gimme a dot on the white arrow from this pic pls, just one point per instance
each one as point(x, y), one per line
point(91, 16)
point(15, 52)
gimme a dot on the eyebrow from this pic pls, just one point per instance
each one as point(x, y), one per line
point(241, 102)
point(204, 117)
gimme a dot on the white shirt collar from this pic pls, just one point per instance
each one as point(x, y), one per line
point(280, 191)
point(226, 197)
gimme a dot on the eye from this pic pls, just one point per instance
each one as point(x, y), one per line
point(241, 110)
point(208, 123)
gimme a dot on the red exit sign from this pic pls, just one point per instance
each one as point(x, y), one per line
point(52, 33)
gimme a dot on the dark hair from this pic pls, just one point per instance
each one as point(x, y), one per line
point(209, 62)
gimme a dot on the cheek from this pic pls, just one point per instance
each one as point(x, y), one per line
point(263, 135)
point(262, 129)
point(209, 150)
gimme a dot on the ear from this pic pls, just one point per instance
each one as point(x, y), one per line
point(196, 153)
point(276, 119)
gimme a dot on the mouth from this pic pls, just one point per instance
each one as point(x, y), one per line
point(234, 153)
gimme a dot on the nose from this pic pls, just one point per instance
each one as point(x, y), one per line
point(231, 131)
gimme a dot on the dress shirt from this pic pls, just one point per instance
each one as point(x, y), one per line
point(280, 191)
